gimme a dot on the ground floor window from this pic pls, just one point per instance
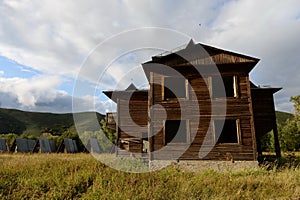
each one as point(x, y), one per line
point(176, 131)
point(229, 133)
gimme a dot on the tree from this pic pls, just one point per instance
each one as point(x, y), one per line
point(110, 134)
point(103, 140)
point(296, 101)
point(289, 134)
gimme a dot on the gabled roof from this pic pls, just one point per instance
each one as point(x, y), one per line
point(125, 94)
point(192, 47)
point(201, 55)
point(131, 87)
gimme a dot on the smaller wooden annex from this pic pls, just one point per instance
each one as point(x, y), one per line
point(180, 115)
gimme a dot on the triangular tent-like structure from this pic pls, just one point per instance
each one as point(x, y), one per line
point(3, 145)
point(68, 146)
point(23, 145)
point(93, 146)
point(47, 146)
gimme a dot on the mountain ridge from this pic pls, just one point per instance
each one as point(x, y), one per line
point(35, 123)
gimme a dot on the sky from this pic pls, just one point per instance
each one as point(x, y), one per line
point(53, 52)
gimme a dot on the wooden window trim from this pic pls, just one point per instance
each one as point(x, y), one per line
point(188, 133)
point(174, 99)
point(239, 132)
point(235, 86)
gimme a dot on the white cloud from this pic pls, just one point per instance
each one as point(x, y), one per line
point(40, 94)
point(1, 72)
point(29, 91)
point(269, 31)
point(55, 37)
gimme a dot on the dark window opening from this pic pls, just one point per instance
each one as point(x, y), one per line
point(175, 131)
point(174, 87)
point(229, 133)
point(229, 86)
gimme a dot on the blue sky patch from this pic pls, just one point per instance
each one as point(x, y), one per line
point(12, 69)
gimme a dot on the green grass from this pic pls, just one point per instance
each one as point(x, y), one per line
point(74, 176)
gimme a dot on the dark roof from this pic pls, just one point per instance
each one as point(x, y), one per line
point(264, 88)
point(193, 55)
point(114, 95)
point(210, 49)
point(131, 87)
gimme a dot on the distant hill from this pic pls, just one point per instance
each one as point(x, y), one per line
point(36, 123)
point(283, 116)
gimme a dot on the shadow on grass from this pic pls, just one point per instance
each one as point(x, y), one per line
point(287, 160)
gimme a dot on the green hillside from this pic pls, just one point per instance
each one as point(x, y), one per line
point(283, 116)
point(35, 123)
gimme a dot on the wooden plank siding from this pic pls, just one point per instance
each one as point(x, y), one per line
point(263, 109)
point(145, 113)
point(132, 124)
point(184, 109)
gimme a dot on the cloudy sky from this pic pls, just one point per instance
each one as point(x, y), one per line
point(47, 47)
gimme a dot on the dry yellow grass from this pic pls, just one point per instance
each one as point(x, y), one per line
point(74, 176)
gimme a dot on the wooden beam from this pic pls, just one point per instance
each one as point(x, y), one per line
point(150, 115)
point(117, 127)
point(258, 146)
point(276, 140)
point(275, 132)
point(251, 119)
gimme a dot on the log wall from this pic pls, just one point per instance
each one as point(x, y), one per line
point(199, 99)
point(132, 124)
point(264, 111)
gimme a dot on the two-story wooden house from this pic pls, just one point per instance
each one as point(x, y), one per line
point(200, 105)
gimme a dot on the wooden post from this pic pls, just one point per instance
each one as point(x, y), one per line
point(258, 146)
point(150, 115)
point(276, 140)
point(252, 119)
point(275, 132)
point(117, 127)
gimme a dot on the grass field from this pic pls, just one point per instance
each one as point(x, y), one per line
point(80, 176)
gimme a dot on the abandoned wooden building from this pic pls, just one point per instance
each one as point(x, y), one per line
point(162, 124)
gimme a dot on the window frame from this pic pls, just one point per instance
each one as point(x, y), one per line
point(238, 132)
point(235, 85)
point(173, 99)
point(187, 128)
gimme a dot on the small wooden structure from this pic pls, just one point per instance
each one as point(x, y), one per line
point(148, 121)
point(132, 129)
point(264, 114)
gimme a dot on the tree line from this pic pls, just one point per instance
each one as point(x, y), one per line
point(288, 132)
point(105, 136)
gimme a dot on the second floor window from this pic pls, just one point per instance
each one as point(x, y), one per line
point(174, 88)
point(230, 86)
